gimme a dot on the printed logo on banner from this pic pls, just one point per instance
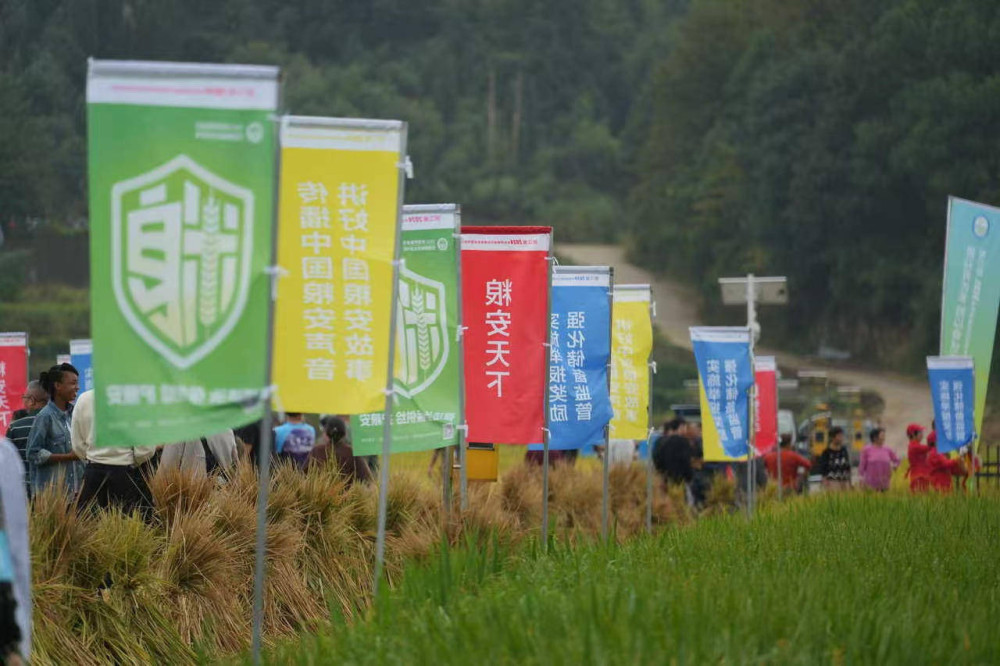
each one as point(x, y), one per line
point(182, 246)
point(422, 327)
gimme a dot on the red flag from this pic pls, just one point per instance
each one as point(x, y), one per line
point(13, 375)
point(766, 404)
point(505, 302)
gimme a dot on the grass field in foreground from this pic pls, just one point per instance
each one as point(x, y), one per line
point(843, 579)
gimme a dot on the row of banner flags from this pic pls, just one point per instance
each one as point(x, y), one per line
point(185, 258)
point(205, 313)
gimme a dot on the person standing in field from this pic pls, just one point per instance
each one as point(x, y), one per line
point(791, 463)
point(114, 476)
point(34, 398)
point(15, 580)
point(214, 455)
point(916, 454)
point(50, 450)
point(673, 453)
point(941, 468)
point(877, 462)
point(835, 462)
point(294, 440)
point(335, 444)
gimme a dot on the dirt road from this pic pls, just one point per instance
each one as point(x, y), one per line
point(906, 400)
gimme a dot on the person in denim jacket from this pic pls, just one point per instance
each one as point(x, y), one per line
point(50, 449)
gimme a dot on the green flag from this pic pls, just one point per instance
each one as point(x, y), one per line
point(181, 167)
point(971, 289)
point(427, 388)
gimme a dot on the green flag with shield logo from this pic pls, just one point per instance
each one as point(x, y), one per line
point(181, 161)
point(427, 386)
point(971, 292)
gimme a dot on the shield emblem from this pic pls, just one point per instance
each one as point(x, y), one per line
point(182, 239)
point(421, 333)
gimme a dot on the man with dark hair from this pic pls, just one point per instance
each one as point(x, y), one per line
point(49, 451)
point(34, 398)
point(294, 439)
point(673, 453)
point(791, 463)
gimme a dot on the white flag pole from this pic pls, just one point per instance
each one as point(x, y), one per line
point(463, 432)
point(266, 423)
point(545, 431)
point(649, 425)
point(383, 489)
point(607, 428)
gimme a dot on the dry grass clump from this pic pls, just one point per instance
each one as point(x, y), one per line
point(110, 588)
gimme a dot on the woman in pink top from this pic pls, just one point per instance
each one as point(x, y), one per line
point(877, 462)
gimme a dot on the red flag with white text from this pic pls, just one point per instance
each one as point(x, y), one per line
point(505, 301)
point(13, 375)
point(766, 404)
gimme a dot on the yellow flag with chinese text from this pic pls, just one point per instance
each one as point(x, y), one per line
point(338, 225)
point(631, 345)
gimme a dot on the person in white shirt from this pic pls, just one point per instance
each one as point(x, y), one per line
point(212, 455)
point(113, 476)
point(14, 521)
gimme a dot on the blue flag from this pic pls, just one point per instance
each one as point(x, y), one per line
point(81, 353)
point(580, 339)
point(953, 389)
point(723, 358)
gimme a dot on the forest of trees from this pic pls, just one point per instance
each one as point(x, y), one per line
point(817, 139)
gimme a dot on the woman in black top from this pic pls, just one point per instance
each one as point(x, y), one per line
point(835, 463)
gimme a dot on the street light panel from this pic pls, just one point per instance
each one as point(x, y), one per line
point(767, 290)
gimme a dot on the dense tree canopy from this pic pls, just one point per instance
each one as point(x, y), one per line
point(817, 138)
point(820, 139)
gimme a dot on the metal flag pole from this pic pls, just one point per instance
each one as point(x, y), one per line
point(383, 489)
point(463, 427)
point(649, 425)
point(266, 423)
point(545, 431)
point(751, 320)
point(607, 428)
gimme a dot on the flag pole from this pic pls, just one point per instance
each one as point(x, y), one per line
point(751, 320)
point(545, 430)
point(266, 423)
point(463, 427)
point(649, 426)
point(383, 489)
point(607, 428)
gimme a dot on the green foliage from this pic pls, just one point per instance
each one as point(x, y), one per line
point(820, 140)
point(52, 316)
point(853, 578)
point(516, 108)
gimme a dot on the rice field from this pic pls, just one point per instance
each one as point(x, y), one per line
point(842, 579)
point(111, 589)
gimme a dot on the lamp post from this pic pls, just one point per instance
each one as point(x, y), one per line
point(751, 291)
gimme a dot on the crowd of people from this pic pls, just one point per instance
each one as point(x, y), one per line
point(52, 441)
point(679, 459)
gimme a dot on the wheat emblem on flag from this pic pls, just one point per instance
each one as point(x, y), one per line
point(421, 333)
point(182, 242)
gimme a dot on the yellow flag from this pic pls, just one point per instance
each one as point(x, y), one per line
point(338, 225)
point(631, 345)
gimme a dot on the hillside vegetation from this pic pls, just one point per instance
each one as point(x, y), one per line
point(817, 139)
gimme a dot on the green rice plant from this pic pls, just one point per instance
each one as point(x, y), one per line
point(847, 578)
